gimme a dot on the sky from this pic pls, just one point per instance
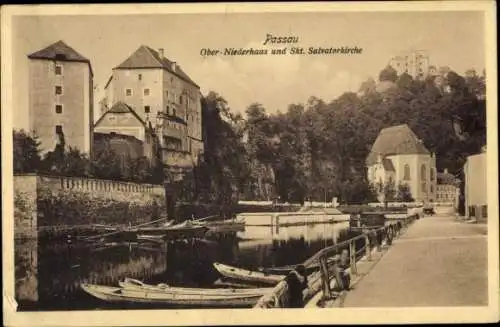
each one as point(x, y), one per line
point(454, 39)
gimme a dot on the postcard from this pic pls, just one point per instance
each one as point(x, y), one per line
point(260, 163)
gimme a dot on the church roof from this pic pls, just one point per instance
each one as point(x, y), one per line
point(59, 51)
point(146, 57)
point(395, 140)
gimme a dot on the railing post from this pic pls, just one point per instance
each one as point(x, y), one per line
point(325, 278)
point(368, 250)
point(352, 252)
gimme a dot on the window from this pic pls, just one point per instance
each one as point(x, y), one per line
point(59, 90)
point(146, 92)
point(147, 109)
point(59, 129)
point(128, 92)
point(140, 77)
point(180, 99)
point(59, 108)
point(168, 110)
point(423, 172)
point(406, 176)
point(58, 70)
point(432, 174)
point(173, 112)
point(432, 189)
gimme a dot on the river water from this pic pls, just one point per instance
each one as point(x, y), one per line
point(48, 276)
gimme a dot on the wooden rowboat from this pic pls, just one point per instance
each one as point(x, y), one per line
point(283, 270)
point(130, 283)
point(118, 294)
point(247, 275)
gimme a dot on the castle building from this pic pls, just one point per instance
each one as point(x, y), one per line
point(159, 91)
point(398, 155)
point(447, 191)
point(61, 98)
point(414, 63)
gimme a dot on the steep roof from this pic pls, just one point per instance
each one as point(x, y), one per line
point(146, 57)
point(388, 166)
point(121, 108)
point(393, 140)
point(59, 51)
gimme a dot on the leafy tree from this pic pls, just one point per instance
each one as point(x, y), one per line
point(26, 152)
point(388, 74)
point(404, 193)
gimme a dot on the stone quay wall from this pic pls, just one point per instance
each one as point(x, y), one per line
point(42, 202)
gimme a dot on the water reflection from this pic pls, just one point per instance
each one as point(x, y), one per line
point(48, 277)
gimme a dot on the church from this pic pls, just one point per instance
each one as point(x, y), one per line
point(398, 155)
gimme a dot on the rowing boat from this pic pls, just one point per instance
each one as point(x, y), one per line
point(247, 275)
point(130, 283)
point(283, 270)
point(119, 294)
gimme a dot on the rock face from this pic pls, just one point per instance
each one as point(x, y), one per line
point(42, 201)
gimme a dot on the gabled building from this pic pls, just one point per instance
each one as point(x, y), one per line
point(159, 90)
point(61, 97)
point(399, 155)
point(136, 137)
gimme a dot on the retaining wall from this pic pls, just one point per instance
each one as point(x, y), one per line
point(45, 201)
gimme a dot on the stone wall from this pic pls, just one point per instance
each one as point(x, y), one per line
point(48, 201)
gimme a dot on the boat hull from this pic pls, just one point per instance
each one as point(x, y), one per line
point(133, 284)
point(117, 294)
point(247, 275)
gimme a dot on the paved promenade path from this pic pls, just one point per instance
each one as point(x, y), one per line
point(439, 261)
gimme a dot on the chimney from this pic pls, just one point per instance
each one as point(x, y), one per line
point(174, 65)
point(161, 52)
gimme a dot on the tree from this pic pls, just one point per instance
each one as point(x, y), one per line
point(404, 193)
point(105, 162)
point(389, 191)
point(388, 74)
point(26, 152)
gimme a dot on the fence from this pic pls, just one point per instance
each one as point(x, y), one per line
point(330, 264)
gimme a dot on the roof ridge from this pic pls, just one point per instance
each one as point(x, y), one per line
point(153, 53)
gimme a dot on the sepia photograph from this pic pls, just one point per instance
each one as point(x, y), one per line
point(194, 164)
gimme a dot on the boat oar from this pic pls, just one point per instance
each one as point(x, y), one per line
point(119, 231)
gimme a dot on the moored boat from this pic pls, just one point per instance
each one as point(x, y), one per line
point(130, 283)
point(247, 275)
point(118, 294)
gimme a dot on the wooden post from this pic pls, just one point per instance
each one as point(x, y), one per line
point(325, 278)
point(352, 252)
point(368, 250)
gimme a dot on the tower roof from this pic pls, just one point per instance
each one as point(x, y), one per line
point(146, 57)
point(60, 51)
point(395, 140)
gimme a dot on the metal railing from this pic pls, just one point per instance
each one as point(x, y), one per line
point(331, 264)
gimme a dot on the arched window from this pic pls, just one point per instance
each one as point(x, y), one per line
point(406, 175)
point(423, 173)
